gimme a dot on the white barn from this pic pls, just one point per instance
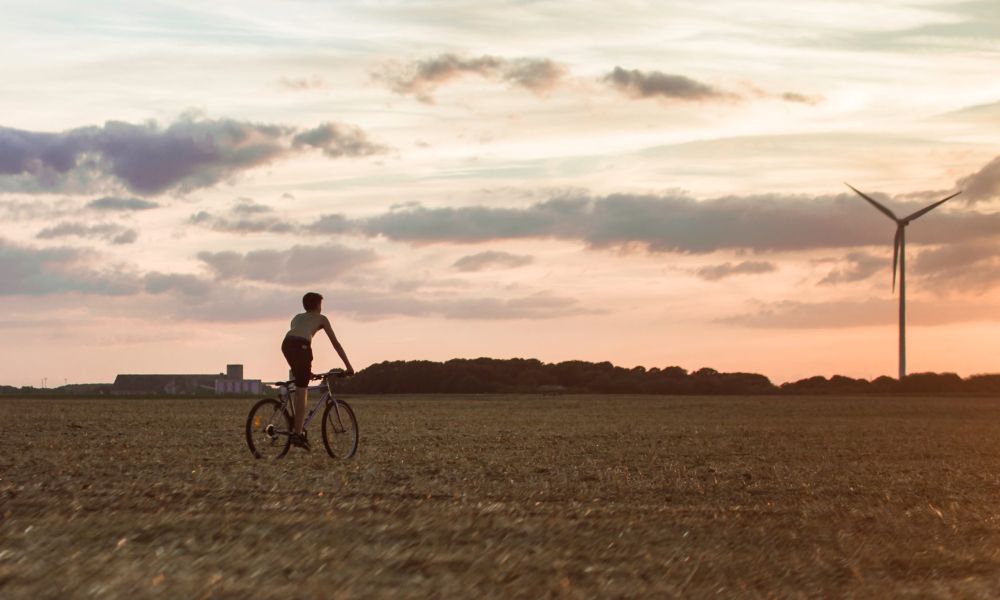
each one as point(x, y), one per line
point(233, 382)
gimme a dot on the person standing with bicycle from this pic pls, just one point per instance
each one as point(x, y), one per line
point(297, 348)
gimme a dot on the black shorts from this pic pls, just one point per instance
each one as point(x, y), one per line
point(298, 352)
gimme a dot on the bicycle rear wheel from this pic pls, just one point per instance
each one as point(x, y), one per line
point(340, 430)
point(267, 430)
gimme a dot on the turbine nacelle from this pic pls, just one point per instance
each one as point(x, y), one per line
point(897, 244)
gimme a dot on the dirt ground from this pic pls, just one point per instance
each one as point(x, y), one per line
point(506, 497)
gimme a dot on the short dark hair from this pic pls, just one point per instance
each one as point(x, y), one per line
point(311, 300)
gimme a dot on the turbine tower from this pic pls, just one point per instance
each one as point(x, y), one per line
point(899, 258)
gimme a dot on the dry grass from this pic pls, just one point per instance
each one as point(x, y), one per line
point(506, 497)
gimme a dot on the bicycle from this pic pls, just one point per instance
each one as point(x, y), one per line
point(269, 424)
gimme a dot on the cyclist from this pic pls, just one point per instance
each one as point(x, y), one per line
point(297, 348)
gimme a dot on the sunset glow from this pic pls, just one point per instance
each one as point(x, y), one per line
point(645, 183)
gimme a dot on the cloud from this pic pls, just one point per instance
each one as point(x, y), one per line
point(747, 267)
point(950, 257)
point(790, 314)
point(536, 306)
point(188, 154)
point(539, 75)
point(129, 236)
point(970, 25)
point(337, 140)
point(231, 304)
point(248, 302)
point(187, 285)
point(248, 206)
point(110, 232)
point(302, 84)
point(654, 84)
point(801, 98)
point(983, 185)
point(113, 203)
point(471, 224)
point(26, 271)
point(422, 77)
point(39, 209)
point(667, 222)
point(665, 86)
point(331, 224)
point(32, 210)
point(202, 299)
point(299, 264)
point(973, 266)
point(425, 283)
point(860, 266)
point(245, 216)
point(376, 304)
point(958, 266)
point(491, 260)
point(251, 286)
point(979, 112)
point(671, 222)
point(245, 283)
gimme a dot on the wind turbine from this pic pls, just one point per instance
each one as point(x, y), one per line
point(899, 257)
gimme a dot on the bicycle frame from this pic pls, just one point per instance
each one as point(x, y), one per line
point(327, 396)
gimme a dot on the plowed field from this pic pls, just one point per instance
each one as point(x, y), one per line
point(506, 497)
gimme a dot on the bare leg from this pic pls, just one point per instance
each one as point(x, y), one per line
point(299, 405)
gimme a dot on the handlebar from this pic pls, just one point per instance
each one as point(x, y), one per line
point(330, 373)
point(338, 373)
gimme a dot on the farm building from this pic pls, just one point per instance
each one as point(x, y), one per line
point(230, 382)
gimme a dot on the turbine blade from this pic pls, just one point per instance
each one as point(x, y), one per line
point(881, 208)
point(924, 211)
point(895, 255)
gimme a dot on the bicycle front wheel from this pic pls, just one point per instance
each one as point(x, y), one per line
point(340, 430)
point(267, 430)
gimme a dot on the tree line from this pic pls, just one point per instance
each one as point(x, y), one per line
point(532, 376)
point(517, 375)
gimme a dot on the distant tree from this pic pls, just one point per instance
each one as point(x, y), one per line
point(931, 382)
point(983, 384)
point(838, 384)
point(490, 375)
point(884, 384)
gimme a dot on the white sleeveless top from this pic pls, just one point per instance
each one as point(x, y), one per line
point(305, 325)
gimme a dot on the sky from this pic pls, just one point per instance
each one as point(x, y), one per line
point(647, 183)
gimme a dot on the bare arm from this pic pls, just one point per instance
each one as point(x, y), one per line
point(336, 345)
